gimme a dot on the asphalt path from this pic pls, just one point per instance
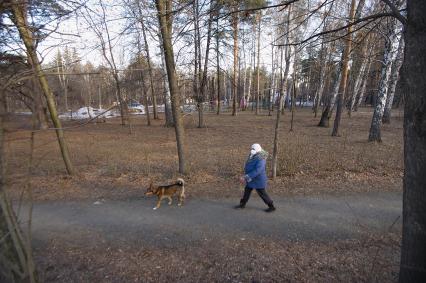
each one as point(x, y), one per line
point(310, 218)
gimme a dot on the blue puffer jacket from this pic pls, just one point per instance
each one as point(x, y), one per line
point(255, 171)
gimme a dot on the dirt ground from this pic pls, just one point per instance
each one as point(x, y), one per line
point(225, 260)
point(115, 165)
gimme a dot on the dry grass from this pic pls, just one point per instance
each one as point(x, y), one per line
point(111, 163)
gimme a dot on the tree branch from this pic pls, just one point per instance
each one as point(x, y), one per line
point(368, 18)
point(395, 12)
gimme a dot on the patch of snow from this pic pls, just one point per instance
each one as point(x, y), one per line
point(88, 113)
point(24, 113)
point(189, 108)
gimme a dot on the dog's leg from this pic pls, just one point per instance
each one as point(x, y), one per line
point(158, 203)
point(181, 196)
point(170, 200)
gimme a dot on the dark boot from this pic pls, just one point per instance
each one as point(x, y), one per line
point(270, 208)
point(241, 205)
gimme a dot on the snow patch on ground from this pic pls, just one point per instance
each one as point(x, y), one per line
point(88, 113)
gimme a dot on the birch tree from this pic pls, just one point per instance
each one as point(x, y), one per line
point(391, 41)
point(283, 87)
point(394, 78)
point(345, 70)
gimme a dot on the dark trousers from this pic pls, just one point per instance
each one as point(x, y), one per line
point(261, 192)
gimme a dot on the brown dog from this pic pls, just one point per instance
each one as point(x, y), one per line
point(167, 192)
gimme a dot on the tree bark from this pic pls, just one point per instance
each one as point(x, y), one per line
point(322, 74)
point(235, 75)
point(258, 16)
point(39, 106)
point(272, 88)
point(328, 109)
point(166, 30)
point(148, 59)
point(394, 77)
point(413, 250)
point(206, 60)
point(283, 86)
point(293, 101)
point(376, 122)
point(360, 96)
point(167, 97)
point(345, 71)
point(145, 95)
point(218, 65)
point(359, 79)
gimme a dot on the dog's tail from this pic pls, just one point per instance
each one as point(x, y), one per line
point(180, 181)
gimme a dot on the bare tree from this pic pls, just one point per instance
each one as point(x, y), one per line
point(19, 11)
point(148, 58)
point(164, 8)
point(345, 70)
point(283, 87)
point(235, 21)
point(101, 29)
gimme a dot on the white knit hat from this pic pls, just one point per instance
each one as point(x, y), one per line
point(255, 148)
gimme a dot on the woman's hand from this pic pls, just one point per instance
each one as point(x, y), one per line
point(242, 180)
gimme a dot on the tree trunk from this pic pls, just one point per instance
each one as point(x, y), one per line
point(293, 100)
point(358, 80)
point(20, 20)
point(361, 94)
point(197, 69)
point(322, 74)
point(218, 65)
point(145, 96)
point(39, 107)
point(148, 59)
point(345, 71)
point(272, 88)
point(164, 19)
point(283, 86)
point(167, 97)
point(376, 122)
point(235, 75)
point(394, 77)
point(206, 60)
point(327, 112)
point(258, 15)
point(413, 250)
point(123, 103)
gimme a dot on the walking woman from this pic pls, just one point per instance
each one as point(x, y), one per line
point(255, 177)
